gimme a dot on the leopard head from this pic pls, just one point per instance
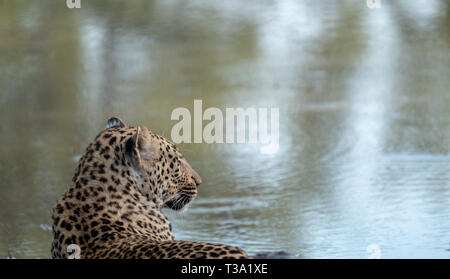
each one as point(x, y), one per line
point(164, 173)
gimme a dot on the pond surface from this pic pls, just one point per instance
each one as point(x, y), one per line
point(363, 96)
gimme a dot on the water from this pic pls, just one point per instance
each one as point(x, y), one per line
point(364, 116)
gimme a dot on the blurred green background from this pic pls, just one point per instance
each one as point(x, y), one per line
point(364, 116)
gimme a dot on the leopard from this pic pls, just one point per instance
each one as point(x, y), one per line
point(113, 208)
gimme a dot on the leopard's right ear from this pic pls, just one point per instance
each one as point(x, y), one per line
point(139, 147)
point(115, 122)
point(132, 148)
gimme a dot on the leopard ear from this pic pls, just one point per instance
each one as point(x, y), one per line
point(115, 122)
point(140, 147)
point(132, 148)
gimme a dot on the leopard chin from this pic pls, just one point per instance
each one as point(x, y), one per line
point(179, 203)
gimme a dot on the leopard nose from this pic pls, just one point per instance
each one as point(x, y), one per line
point(196, 177)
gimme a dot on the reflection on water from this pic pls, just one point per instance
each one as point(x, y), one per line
point(364, 116)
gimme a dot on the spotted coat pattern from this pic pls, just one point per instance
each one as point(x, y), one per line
point(113, 207)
